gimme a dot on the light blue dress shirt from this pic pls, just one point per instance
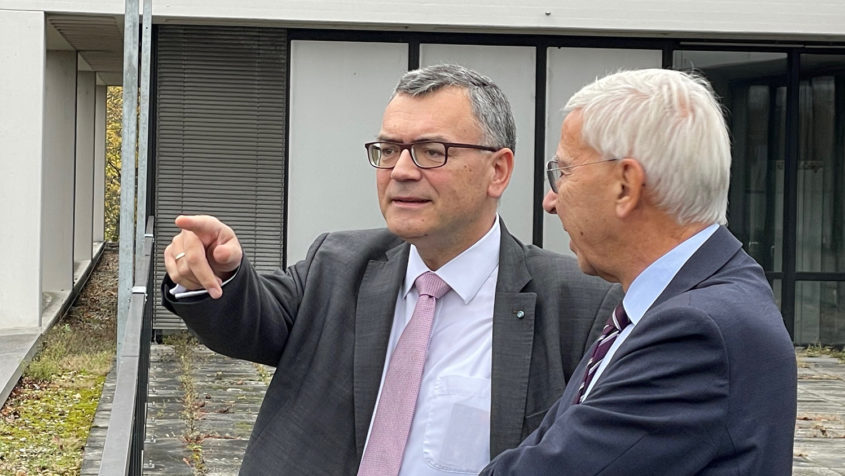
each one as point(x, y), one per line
point(647, 287)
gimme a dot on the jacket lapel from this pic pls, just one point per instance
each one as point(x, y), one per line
point(373, 321)
point(513, 339)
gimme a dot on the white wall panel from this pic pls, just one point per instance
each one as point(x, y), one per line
point(83, 225)
point(569, 69)
point(338, 94)
point(21, 126)
point(57, 205)
point(512, 68)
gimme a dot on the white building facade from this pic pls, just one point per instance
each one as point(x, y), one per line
point(260, 110)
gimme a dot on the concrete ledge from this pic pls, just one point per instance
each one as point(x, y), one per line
point(99, 427)
point(16, 350)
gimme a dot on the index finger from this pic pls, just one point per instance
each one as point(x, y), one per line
point(206, 227)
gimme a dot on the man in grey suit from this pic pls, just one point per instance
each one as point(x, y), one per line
point(695, 374)
point(504, 340)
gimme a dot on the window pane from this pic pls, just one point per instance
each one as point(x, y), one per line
point(821, 167)
point(820, 312)
point(751, 86)
point(777, 286)
point(512, 68)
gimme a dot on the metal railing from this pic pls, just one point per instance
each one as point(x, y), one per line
point(123, 448)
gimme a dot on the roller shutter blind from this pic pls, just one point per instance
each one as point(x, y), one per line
point(220, 138)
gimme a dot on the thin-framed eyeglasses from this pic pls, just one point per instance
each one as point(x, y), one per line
point(554, 172)
point(425, 154)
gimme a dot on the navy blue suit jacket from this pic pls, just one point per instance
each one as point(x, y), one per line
point(704, 384)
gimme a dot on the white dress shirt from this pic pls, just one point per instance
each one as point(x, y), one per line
point(647, 287)
point(450, 431)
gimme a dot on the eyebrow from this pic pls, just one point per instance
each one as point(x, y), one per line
point(383, 138)
point(560, 162)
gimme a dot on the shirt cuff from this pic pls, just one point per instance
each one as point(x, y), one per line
point(180, 292)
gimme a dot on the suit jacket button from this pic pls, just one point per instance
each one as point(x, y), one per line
point(519, 314)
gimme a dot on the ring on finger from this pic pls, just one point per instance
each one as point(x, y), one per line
point(179, 256)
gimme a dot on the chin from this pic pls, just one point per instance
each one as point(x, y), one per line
point(404, 231)
point(586, 267)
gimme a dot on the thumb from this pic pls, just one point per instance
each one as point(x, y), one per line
point(227, 256)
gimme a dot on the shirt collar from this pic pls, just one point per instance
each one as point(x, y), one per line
point(465, 273)
point(647, 287)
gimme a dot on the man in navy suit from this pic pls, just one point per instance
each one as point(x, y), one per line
point(695, 372)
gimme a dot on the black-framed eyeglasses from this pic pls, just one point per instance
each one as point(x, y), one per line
point(554, 172)
point(425, 154)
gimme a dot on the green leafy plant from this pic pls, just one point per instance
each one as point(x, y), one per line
point(114, 112)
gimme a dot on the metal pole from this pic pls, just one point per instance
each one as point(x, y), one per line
point(129, 140)
point(143, 128)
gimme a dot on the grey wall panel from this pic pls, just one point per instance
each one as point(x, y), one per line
point(512, 68)
point(568, 70)
point(220, 137)
point(340, 91)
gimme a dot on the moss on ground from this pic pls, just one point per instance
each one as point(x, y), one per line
point(184, 345)
point(44, 424)
point(818, 350)
point(47, 430)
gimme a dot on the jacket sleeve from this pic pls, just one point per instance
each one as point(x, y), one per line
point(253, 318)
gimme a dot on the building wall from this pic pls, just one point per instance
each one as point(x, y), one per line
point(21, 127)
point(745, 18)
point(349, 197)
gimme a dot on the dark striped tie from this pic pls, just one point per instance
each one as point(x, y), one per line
point(614, 325)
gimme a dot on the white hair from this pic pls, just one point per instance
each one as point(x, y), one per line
point(672, 124)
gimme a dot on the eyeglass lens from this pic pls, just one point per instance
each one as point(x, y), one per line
point(553, 173)
point(424, 154)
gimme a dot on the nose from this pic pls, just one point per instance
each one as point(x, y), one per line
point(550, 202)
point(405, 168)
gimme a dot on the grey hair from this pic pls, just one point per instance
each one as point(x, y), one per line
point(672, 124)
point(490, 106)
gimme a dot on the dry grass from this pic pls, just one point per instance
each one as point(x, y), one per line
point(45, 423)
point(192, 405)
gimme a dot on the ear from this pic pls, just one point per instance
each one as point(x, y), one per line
point(501, 169)
point(631, 182)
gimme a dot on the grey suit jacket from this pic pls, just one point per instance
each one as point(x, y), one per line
point(704, 384)
point(325, 323)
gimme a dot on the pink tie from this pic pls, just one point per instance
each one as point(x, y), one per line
point(386, 446)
